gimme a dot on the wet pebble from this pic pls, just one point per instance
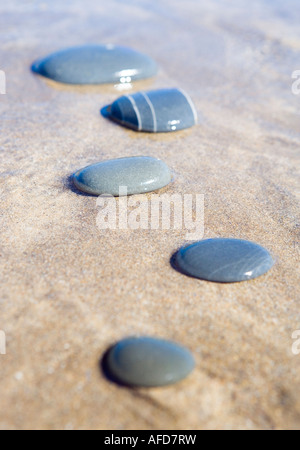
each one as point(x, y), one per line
point(139, 174)
point(96, 64)
point(224, 260)
point(148, 362)
point(156, 111)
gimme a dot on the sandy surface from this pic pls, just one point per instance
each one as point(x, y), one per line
point(70, 290)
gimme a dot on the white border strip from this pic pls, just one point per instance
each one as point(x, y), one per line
point(152, 110)
point(188, 98)
point(136, 109)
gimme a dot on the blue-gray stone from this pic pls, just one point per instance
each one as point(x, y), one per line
point(149, 362)
point(224, 260)
point(162, 110)
point(96, 64)
point(139, 174)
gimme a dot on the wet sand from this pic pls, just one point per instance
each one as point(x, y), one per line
point(70, 290)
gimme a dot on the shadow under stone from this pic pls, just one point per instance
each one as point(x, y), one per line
point(104, 369)
point(105, 112)
point(69, 184)
point(175, 266)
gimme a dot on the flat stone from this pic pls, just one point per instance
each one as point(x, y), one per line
point(224, 260)
point(96, 64)
point(149, 362)
point(162, 110)
point(139, 174)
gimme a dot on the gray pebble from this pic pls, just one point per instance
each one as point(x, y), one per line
point(224, 260)
point(149, 362)
point(162, 110)
point(96, 64)
point(139, 174)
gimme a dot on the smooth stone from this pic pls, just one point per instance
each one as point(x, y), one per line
point(96, 64)
point(224, 260)
point(149, 362)
point(139, 174)
point(157, 111)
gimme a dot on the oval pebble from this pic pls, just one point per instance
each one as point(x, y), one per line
point(157, 111)
point(224, 260)
point(96, 64)
point(149, 362)
point(139, 174)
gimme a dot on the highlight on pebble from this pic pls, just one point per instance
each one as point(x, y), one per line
point(2, 83)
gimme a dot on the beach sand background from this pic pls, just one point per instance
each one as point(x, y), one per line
point(70, 290)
